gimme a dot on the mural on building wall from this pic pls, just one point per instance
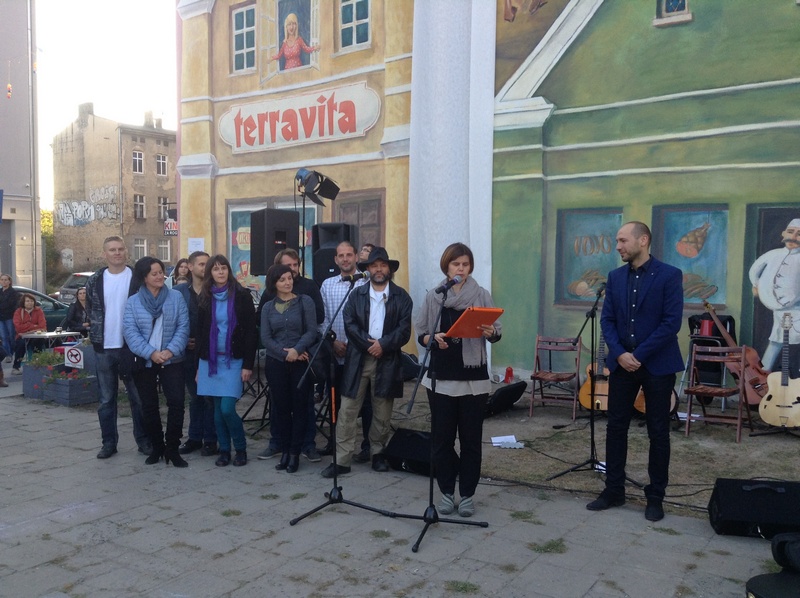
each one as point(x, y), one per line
point(775, 280)
point(296, 18)
point(694, 239)
point(586, 252)
point(102, 205)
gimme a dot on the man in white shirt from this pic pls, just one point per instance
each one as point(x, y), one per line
point(106, 295)
point(377, 322)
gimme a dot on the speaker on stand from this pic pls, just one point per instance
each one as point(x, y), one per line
point(325, 238)
point(271, 231)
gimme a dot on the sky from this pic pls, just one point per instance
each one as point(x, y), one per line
point(118, 54)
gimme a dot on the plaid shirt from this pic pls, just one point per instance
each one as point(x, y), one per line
point(333, 291)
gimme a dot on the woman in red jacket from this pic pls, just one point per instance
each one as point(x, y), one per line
point(28, 317)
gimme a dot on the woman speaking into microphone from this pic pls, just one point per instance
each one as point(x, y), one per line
point(462, 379)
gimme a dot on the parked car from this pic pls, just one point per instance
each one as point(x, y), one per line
point(54, 311)
point(70, 288)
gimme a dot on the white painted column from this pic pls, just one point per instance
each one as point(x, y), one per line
point(452, 111)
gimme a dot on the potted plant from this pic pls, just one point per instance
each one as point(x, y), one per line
point(69, 386)
point(36, 369)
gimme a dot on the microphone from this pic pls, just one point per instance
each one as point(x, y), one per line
point(355, 277)
point(448, 285)
point(601, 290)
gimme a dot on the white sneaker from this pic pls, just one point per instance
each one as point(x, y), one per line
point(8, 359)
point(466, 508)
point(16, 371)
point(447, 505)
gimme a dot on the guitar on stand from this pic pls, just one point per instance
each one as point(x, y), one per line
point(600, 372)
point(755, 376)
point(781, 405)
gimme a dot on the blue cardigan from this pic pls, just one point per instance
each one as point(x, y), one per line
point(137, 326)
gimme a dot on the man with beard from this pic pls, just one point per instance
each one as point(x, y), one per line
point(377, 321)
point(775, 277)
point(640, 322)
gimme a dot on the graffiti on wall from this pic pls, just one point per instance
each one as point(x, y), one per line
point(102, 205)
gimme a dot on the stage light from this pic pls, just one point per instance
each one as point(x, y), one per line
point(311, 183)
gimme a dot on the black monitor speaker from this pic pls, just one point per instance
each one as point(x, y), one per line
point(271, 231)
point(325, 238)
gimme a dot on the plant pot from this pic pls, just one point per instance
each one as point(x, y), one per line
point(33, 380)
point(72, 392)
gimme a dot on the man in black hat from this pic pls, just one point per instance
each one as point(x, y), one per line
point(377, 321)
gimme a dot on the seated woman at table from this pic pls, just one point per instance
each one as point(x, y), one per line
point(77, 316)
point(28, 317)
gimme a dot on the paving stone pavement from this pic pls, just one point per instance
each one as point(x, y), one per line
point(71, 525)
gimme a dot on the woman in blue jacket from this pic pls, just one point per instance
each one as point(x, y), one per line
point(156, 328)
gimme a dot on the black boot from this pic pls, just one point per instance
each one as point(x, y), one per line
point(283, 463)
point(294, 463)
point(155, 455)
point(173, 455)
point(223, 459)
point(240, 459)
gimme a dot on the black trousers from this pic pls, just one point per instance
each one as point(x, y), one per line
point(171, 377)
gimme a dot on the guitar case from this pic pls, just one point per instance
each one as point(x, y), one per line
point(756, 508)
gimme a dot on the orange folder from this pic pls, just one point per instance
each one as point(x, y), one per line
point(468, 325)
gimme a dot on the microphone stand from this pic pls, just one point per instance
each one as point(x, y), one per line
point(334, 496)
point(592, 463)
point(431, 515)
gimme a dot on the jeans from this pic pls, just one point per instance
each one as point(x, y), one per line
point(7, 334)
point(623, 387)
point(229, 425)
point(21, 347)
point(107, 372)
point(202, 427)
point(462, 416)
point(289, 404)
point(171, 379)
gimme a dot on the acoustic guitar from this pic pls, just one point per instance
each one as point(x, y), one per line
point(600, 381)
point(755, 376)
point(781, 405)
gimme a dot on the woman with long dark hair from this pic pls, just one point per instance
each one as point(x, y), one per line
point(226, 346)
point(78, 316)
point(156, 328)
point(288, 329)
point(181, 270)
point(462, 380)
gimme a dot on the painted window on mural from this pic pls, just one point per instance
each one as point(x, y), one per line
point(244, 38)
point(289, 37)
point(353, 24)
point(672, 12)
point(585, 252)
point(366, 215)
point(694, 239)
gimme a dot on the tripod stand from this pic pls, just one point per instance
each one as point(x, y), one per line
point(335, 495)
point(431, 515)
point(592, 463)
point(260, 390)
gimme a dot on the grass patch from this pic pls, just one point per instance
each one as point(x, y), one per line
point(462, 587)
point(231, 513)
point(549, 547)
point(269, 496)
point(666, 530)
point(401, 542)
point(380, 533)
point(528, 516)
point(298, 495)
point(700, 554)
point(509, 568)
point(770, 566)
point(683, 590)
point(690, 567)
point(46, 537)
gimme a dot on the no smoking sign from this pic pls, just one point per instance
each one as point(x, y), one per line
point(73, 357)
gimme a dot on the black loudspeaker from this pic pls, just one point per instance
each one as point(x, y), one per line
point(757, 508)
point(271, 231)
point(504, 398)
point(324, 239)
point(409, 450)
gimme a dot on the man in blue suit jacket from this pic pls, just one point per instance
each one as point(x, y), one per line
point(641, 318)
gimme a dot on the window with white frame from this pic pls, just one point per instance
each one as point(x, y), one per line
point(353, 24)
point(164, 250)
point(161, 164)
point(163, 206)
point(138, 162)
point(672, 12)
point(139, 207)
point(243, 34)
point(139, 248)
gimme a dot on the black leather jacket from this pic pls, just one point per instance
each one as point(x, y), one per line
point(396, 332)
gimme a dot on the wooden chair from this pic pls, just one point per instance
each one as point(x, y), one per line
point(553, 386)
point(699, 392)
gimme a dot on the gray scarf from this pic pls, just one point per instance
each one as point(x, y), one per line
point(473, 350)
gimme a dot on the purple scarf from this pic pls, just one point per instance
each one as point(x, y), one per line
point(221, 294)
